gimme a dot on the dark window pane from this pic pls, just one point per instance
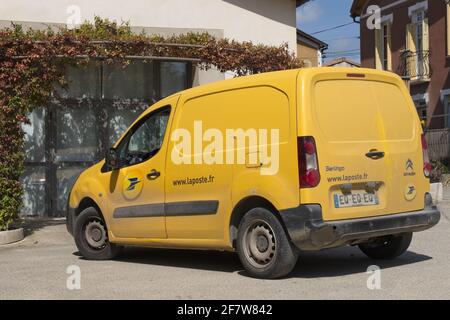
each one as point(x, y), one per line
point(65, 177)
point(173, 77)
point(134, 81)
point(33, 182)
point(76, 138)
point(35, 136)
point(83, 82)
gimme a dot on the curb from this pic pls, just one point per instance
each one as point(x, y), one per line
point(11, 236)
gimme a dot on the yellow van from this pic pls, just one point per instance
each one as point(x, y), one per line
point(268, 166)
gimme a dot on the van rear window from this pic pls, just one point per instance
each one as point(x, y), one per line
point(360, 110)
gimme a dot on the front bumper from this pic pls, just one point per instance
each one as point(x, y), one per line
point(308, 231)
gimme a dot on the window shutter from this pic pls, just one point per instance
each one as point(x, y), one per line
point(389, 46)
point(410, 35)
point(378, 43)
point(426, 37)
point(411, 46)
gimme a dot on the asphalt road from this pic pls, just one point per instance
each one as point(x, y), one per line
point(36, 268)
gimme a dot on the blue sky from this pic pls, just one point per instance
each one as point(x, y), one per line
point(318, 15)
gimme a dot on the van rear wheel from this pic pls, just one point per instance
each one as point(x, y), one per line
point(263, 246)
point(389, 247)
point(91, 236)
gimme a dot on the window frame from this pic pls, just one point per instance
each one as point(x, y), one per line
point(447, 112)
point(127, 137)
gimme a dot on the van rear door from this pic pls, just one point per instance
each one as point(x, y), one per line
point(368, 139)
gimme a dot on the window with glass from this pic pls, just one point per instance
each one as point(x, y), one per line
point(447, 112)
point(83, 82)
point(383, 46)
point(418, 45)
point(421, 106)
point(76, 134)
point(173, 77)
point(144, 141)
point(133, 81)
point(87, 117)
point(34, 138)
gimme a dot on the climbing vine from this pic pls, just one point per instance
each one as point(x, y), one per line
point(33, 61)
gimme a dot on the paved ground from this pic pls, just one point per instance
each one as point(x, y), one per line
point(36, 269)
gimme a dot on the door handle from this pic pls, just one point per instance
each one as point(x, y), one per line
point(153, 175)
point(375, 155)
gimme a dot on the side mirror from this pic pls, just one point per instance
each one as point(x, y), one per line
point(112, 159)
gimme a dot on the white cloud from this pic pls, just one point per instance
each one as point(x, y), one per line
point(309, 12)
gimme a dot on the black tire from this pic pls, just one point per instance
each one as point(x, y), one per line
point(387, 247)
point(91, 217)
point(278, 256)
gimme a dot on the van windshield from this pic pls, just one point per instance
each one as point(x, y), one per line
point(361, 110)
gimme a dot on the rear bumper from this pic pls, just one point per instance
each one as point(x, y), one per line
point(308, 231)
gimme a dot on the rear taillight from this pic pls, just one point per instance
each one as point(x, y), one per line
point(426, 160)
point(308, 165)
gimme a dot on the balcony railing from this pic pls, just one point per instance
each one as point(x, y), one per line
point(439, 144)
point(415, 66)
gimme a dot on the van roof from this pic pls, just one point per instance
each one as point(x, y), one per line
point(269, 77)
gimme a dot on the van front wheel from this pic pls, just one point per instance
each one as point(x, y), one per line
point(389, 247)
point(91, 236)
point(263, 246)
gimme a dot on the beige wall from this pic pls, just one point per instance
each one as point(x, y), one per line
point(306, 54)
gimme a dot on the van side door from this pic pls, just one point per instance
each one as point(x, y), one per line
point(136, 189)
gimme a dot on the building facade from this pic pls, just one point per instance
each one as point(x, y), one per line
point(412, 40)
point(310, 49)
point(79, 125)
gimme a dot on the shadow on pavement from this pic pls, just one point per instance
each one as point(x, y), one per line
point(327, 263)
point(346, 261)
point(202, 260)
point(30, 226)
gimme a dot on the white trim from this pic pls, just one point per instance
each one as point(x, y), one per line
point(421, 96)
point(418, 6)
point(444, 93)
point(387, 18)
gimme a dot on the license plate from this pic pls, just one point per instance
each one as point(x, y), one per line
point(355, 199)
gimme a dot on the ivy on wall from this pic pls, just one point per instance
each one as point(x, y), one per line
point(32, 62)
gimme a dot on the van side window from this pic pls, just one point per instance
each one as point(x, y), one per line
point(145, 139)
